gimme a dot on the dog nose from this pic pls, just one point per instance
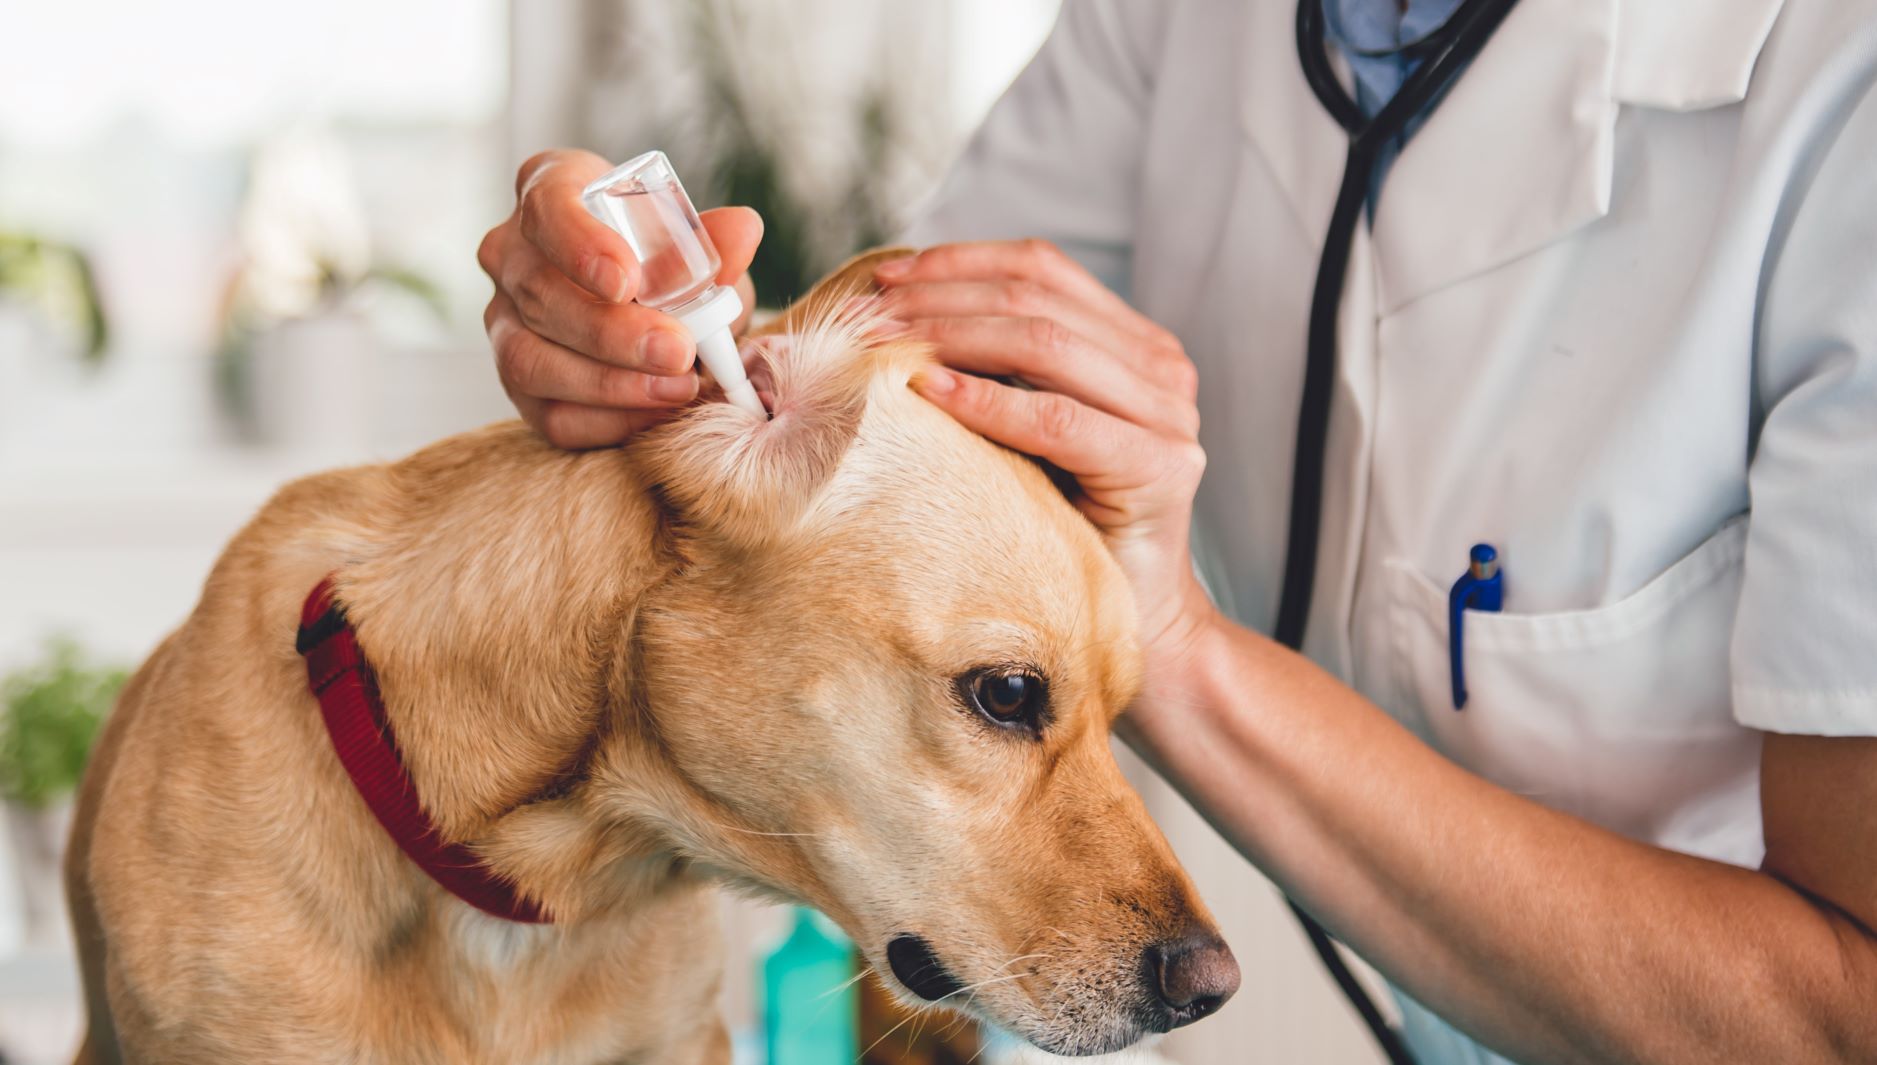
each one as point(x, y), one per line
point(1192, 977)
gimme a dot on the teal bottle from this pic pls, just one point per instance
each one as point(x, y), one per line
point(810, 1006)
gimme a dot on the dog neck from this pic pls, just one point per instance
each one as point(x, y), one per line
point(497, 607)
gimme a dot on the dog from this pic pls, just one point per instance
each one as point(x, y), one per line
point(853, 656)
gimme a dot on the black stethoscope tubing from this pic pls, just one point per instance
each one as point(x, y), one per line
point(1444, 53)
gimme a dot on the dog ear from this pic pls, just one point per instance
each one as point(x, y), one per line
point(852, 278)
point(746, 481)
point(725, 474)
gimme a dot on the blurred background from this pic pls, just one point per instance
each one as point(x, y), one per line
point(237, 244)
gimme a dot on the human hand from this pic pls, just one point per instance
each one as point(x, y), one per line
point(1115, 404)
point(584, 365)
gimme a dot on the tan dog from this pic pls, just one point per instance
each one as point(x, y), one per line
point(855, 656)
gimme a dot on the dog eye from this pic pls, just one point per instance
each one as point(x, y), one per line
point(1006, 696)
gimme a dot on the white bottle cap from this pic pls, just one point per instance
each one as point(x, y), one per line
point(709, 318)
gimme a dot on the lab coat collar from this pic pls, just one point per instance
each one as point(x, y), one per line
point(1689, 55)
point(1521, 151)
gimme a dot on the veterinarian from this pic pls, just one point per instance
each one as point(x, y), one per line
point(1604, 302)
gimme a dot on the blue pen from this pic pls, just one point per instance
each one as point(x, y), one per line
point(1481, 587)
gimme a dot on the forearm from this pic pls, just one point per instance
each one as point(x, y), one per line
point(1544, 935)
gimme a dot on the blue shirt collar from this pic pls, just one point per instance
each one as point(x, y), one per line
point(1381, 26)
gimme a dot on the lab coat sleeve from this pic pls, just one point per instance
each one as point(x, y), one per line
point(1805, 641)
point(1059, 156)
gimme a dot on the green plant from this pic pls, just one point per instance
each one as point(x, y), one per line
point(53, 710)
point(57, 280)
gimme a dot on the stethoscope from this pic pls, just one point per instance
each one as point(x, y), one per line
point(1443, 54)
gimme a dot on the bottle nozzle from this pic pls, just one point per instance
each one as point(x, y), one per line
point(719, 355)
point(709, 318)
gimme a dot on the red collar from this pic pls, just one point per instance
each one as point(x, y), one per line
point(347, 690)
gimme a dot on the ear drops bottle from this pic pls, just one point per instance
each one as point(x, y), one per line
point(644, 202)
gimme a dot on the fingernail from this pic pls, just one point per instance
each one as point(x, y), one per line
point(673, 389)
point(606, 278)
point(935, 380)
point(663, 351)
point(894, 268)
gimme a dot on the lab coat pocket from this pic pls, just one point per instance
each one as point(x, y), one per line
point(1620, 714)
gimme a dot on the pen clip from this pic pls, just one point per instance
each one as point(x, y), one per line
point(1481, 587)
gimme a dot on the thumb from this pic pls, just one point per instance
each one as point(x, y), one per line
point(736, 231)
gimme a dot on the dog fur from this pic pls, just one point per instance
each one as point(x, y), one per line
point(723, 654)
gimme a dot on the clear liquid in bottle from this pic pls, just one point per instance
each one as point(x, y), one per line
point(644, 201)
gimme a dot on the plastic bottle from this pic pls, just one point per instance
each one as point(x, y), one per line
point(645, 203)
point(810, 1005)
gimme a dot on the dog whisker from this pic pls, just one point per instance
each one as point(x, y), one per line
point(826, 998)
point(925, 1008)
point(776, 835)
point(963, 1017)
point(1022, 957)
point(865, 971)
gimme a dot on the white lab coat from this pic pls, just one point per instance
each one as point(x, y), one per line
point(1616, 315)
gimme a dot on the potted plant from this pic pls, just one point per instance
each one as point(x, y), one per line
point(48, 302)
point(298, 356)
point(50, 713)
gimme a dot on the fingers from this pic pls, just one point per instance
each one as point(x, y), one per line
point(736, 231)
point(623, 334)
point(1047, 354)
point(1002, 299)
point(583, 365)
point(1033, 278)
point(1078, 438)
point(536, 367)
point(552, 218)
point(1121, 467)
point(1035, 262)
point(746, 289)
point(580, 428)
point(1021, 299)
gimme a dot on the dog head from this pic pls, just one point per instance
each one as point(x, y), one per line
point(881, 679)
